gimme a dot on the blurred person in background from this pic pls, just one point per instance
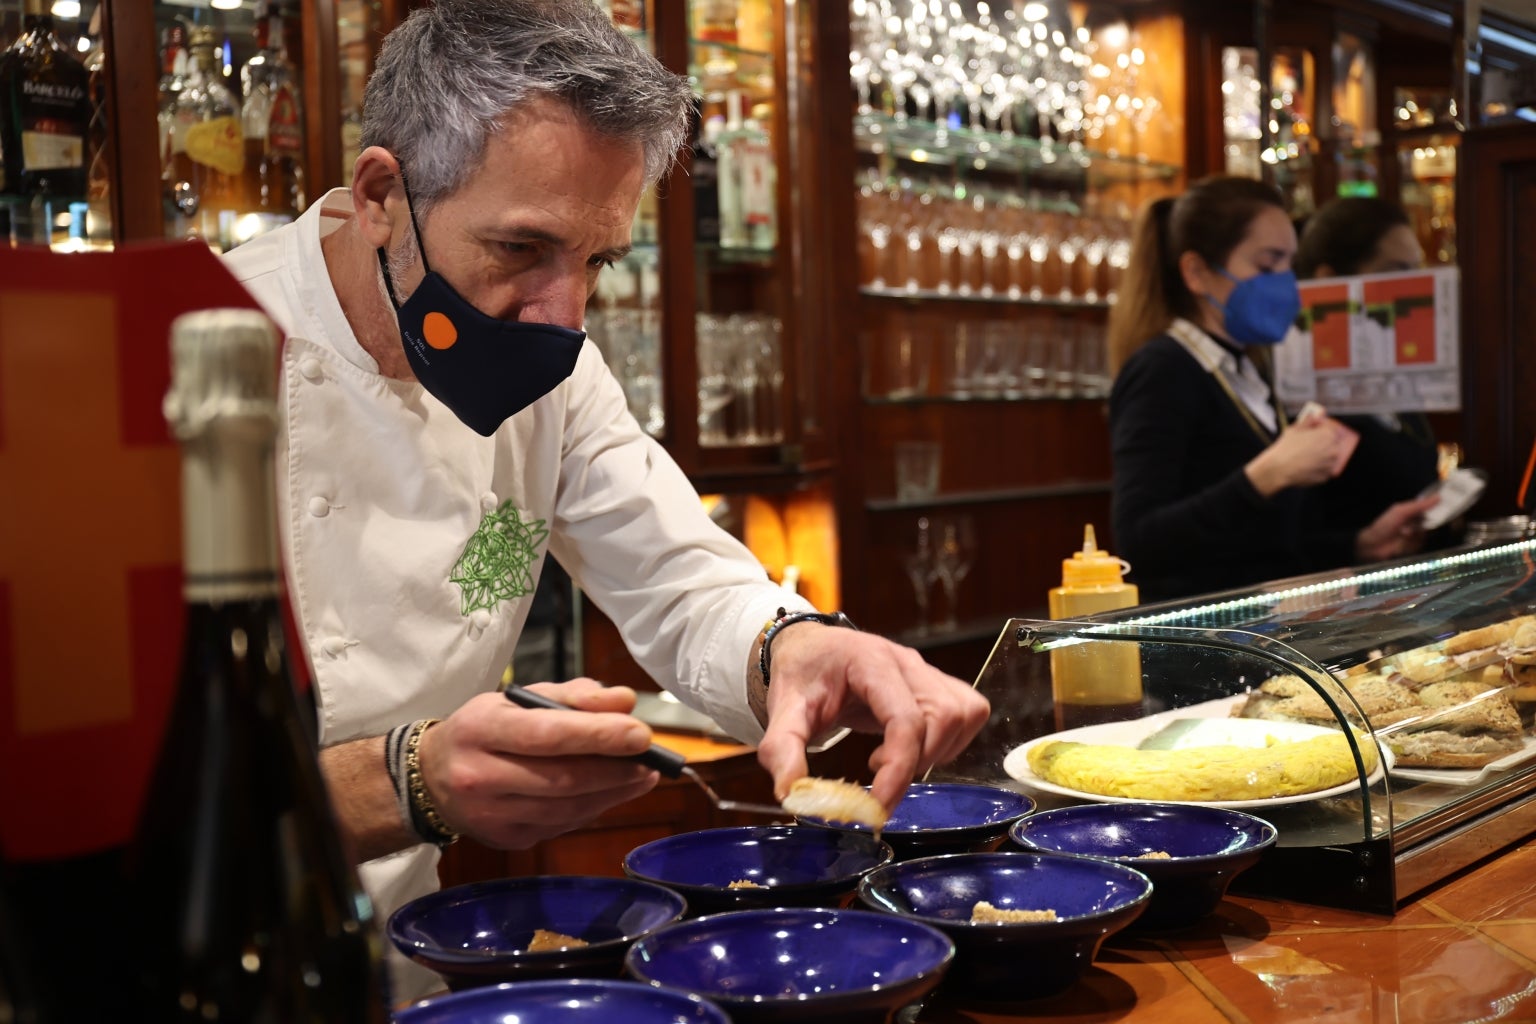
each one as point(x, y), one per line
point(1210, 476)
point(1397, 457)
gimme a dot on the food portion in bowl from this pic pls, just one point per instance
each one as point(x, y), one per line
point(1190, 852)
point(545, 926)
point(1001, 956)
point(758, 865)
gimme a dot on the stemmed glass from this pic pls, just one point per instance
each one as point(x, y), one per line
point(920, 566)
point(953, 557)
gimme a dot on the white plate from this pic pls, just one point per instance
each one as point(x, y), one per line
point(1458, 492)
point(1468, 776)
point(1243, 731)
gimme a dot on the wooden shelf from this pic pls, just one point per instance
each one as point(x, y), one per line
point(1047, 491)
point(934, 295)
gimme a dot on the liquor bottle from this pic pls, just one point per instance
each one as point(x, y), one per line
point(249, 909)
point(45, 113)
point(714, 21)
point(98, 176)
point(207, 149)
point(1099, 680)
point(728, 173)
point(173, 79)
point(272, 121)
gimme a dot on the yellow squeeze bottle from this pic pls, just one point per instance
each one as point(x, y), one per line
point(1097, 680)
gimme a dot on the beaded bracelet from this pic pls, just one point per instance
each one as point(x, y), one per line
point(783, 620)
point(424, 817)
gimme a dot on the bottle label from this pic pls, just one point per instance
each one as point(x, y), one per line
point(45, 149)
point(285, 130)
point(53, 118)
point(218, 144)
point(757, 199)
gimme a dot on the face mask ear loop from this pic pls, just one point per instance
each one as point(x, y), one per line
point(410, 207)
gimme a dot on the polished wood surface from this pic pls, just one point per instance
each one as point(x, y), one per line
point(1464, 951)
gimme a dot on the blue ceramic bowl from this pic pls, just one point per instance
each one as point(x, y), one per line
point(1207, 848)
point(946, 817)
point(565, 1001)
point(1004, 963)
point(797, 964)
point(788, 866)
point(478, 934)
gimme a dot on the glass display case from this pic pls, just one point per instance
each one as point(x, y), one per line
point(1380, 720)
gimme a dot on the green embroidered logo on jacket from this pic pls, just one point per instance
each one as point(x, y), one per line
point(497, 563)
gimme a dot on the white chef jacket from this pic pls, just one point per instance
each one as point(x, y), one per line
point(413, 544)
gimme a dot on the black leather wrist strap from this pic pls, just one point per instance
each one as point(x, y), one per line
point(784, 620)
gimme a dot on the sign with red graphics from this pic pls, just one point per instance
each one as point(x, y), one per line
point(1375, 343)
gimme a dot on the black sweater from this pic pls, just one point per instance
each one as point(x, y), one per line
point(1186, 517)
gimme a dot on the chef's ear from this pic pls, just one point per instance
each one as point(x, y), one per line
point(378, 197)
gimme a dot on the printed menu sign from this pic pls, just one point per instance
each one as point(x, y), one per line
point(1375, 343)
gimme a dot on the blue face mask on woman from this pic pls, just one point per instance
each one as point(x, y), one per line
point(1260, 309)
point(484, 369)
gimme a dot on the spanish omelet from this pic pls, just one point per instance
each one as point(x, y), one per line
point(1214, 773)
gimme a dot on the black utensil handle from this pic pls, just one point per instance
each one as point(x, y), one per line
point(669, 762)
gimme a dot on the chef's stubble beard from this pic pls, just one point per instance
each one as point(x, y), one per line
point(401, 257)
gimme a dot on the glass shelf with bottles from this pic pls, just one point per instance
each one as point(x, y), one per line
point(923, 360)
point(922, 238)
point(908, 138)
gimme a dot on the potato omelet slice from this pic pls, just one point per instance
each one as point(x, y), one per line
point(1215, 773)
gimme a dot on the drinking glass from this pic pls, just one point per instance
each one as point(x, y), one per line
point(953, 555)
point(919, 564)
point(917, 470)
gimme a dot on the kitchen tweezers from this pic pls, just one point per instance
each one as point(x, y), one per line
point(669, 762)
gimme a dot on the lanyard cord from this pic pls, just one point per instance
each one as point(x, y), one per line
point(1180, 331)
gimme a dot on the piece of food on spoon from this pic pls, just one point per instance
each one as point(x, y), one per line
point(835, 800)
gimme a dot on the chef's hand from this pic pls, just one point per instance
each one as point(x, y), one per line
point(826, 677)
point(1305, 453)
point(511, 777)
point(1396, 532)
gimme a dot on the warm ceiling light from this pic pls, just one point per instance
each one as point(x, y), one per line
point(1036, 12)
point(226, 5)
point(69, 10)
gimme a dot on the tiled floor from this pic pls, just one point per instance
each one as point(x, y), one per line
point(1463, 953)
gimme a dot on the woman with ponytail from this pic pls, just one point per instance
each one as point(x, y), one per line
point(1210, 477)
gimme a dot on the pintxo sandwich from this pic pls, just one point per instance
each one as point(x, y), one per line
point(1450, 704)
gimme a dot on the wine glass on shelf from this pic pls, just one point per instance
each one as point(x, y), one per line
point(919, 564)
point(953, 555)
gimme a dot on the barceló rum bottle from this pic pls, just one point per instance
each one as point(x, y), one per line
point(249, 910)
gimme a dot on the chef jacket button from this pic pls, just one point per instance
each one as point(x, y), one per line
point(488, 502)
point(319, 507)
point(311, 370)
point(479, 619)
point(336, 646)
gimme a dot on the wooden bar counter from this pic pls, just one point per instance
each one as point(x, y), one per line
point(1462, 952)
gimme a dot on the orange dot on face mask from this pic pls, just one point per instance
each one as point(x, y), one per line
point(439, 331)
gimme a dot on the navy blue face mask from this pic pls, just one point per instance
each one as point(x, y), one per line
point(1261, 309)
point(484, 369)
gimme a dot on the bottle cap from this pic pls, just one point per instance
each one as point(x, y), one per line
point(223, 366)
point(1092, 567)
